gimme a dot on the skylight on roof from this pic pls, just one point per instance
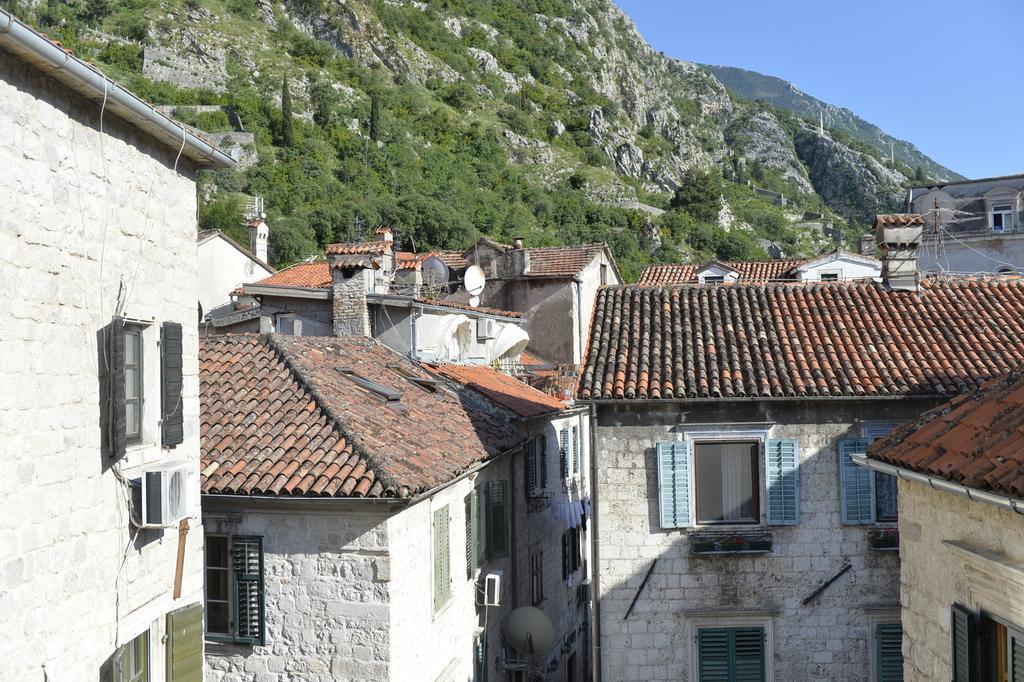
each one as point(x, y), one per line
point(428, 383)
point(389, 394)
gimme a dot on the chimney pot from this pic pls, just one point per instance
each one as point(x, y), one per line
point(259, 237)
point(867, 245)
point(384, 234)
point(518, 242)
point(899, 237)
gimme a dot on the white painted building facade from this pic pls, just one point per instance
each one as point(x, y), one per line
point(96, 226)
point(224, 266)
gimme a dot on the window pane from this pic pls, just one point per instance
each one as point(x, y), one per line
point(726, 476)
point(217, 617)
point(131, 383)
point(131, 348)
point(216, 551)
point(131, 413)
point(885, 497)
point(216, 584)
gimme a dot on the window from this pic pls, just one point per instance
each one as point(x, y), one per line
point(472, 535)
point(442, 559)
point(235, 610)
point(563, 453)
point(714, 279)
point(542, 463)
point(571, 552)
point(731, 654)
point(136, 659)
point(537, 577)
point(604, 274)
point(888, 652)
point(985, 647)
point(1002, 218)
point(497, 519)
point(575, 450)
point(865, 496)
point(726, 481)
point(829, 277)
point(530, 465)
point(133, 387)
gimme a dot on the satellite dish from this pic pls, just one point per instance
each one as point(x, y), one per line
point(474, 280)
point(474, 301)
point(530, 631)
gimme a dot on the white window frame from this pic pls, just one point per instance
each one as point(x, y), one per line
point(693, 434)
point(1007, 212)
point(876, 617)
point(837, 273)
point(736, 619)
point(146, 448)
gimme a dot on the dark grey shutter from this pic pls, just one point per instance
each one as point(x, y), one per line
point(565, 555)
point(247, 560)
point(497, 519)
point(113, 422)
point(964, 636)
point(543, 447)
point(1015, 651)
point(889, 652)
point(530, 460)
point(472, 538)
point(575, 450)
point(563, 448)
point(170, 383)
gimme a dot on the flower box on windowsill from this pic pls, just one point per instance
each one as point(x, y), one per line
point(884, 539)
point(750, 542)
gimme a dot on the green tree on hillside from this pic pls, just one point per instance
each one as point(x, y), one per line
point(374, 117)
point(287, 124)
point(700, 195)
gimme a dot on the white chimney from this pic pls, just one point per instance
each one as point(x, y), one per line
point(259, 236)
point(899, 236)
point(384, 234)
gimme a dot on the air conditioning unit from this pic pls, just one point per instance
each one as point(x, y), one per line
point(160, 496)
point(489, 591)
point(585, 591)
point(486, 328)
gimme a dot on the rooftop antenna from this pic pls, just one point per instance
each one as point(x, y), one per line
point(357, 229)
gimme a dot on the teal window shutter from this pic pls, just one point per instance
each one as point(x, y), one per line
point(1015, 651)
point(889, 652)
point(674, 484)
point(856, 484)
point(964, 640)
point(250, 616)
point(782, 479)
point(730, 654)
point(472, 535)
point(497, 519)
point(442, 558)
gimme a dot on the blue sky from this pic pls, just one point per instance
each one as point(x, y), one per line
point(944, 74)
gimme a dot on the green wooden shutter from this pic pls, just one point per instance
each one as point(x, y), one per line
point(112, 389)
point(442, 558)
point(564, 452)
point(575, 450)
point(674, 484)
point(964, 638)
point(170, 384)
point(472, 535)
point(247, 559)
point(530, 460)
point(497, 519)
point(856, 484)
point(730, 655)
point(889, 652)
point(185, 644)
point(782, 478)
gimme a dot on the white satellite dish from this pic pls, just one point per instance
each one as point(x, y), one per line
point(474, 280)
point(474, 301)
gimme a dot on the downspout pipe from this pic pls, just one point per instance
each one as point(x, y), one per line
point(33, 47)
point(941, 484)
point(595, 579)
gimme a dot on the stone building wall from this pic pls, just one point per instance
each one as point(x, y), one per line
point(350, 314)
point(829, 639)
point(328, 591)
point(935, 575)
point(84, 213)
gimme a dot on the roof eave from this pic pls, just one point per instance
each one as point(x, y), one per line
point(286, 291)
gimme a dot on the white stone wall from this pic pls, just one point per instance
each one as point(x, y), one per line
point(222, 268)
point(327, 579)
point(75, 582)
point(826, 640)
point(934, 575)
point(431, 646)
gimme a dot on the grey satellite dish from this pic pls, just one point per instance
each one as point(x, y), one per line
point(530, 631)
point(474, 280)
point(435, 272)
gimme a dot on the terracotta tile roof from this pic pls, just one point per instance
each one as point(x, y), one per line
point(373, 248)
point(751, 271)
point(802, 340)
point(278, 417)
point(453, 259)
point(407, 260)
point(899, 219)
point(503, 389)
point(562, 261)
point(465, 306)
point(975, 440)
point(316, 275)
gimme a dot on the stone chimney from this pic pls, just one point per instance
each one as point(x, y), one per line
point(867, 245)
point(899, 236)
point(259, 237)
point(352, 277)
point(518, 242)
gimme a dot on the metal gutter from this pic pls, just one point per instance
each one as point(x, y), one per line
point(409, 302)
point(941, 484)
point(315, 501)
point(757, 399)
point(87, 80)
point(286, 291)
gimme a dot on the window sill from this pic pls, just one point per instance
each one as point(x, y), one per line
point(717, 543)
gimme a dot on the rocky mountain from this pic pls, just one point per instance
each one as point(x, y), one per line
point(751, 85)
point(548, 119)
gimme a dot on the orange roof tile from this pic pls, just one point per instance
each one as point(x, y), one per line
point(751, 271)
point(279, 417)
point(562, 261)
point(975, 440)
point(501, 388)
point(899, 219)
point(465, 306)
point(802, 340)
point(315, 275)
point(362, 248)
